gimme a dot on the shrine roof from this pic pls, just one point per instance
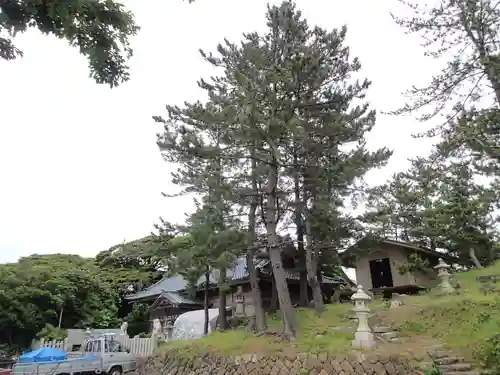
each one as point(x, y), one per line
point(175, 299)
point(236, 275)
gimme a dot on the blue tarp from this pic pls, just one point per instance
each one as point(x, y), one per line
point(43, 355)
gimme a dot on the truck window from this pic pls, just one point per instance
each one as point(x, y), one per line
point(93, 346)
point(115, 347)
point(96, 347)
point(88, 347)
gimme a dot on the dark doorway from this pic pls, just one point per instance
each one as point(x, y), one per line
point(380, 270)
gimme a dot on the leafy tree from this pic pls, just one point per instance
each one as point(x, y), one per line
point(138, 319)
point(133, 264)
point(61, 290)
point(99, 28)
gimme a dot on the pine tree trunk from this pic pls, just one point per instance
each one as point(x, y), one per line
point(304, 286)
point(433, 244)
point(60, 317)
point(222, 301)
point(274, 305)
point(205, 302)
point(260, 316)
point(312, 278)
point(286, 307)
point(299, 223)
point(472, 255)
point(220, 225)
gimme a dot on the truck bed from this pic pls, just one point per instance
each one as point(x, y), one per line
point(69, 366)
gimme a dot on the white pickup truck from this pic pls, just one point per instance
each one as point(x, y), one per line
point(102, 355)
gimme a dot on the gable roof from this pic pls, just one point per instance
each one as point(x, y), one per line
point(237, 274)
point(352, 253)
point(174, 299)
point(177, 283)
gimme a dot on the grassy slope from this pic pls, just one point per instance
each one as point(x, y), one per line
point(316, 336)
point(460, 322)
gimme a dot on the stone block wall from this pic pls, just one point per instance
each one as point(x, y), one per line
point(255, 364)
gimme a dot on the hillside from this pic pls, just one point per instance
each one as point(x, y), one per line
point(462, 323)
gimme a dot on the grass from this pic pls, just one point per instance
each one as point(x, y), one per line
point(461, 322)
point(317, 334)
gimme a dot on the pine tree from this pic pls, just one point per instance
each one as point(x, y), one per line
point(194, 139)
point(440, 206)
point(392, 208)
point(464, 33)
point(462, 216)
point(285, 109)
point(290, 90)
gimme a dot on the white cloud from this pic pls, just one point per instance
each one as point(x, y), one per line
point(79, 168)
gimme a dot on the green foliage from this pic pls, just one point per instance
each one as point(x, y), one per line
point(316, 336)
point(488, 354)
point(434, 370)
point(133, 264)
point(100, 29)
point(50, 333)
point(138, 320)
point(415, 263)
point(42, 289)
point(438, 205)
point(463, 34)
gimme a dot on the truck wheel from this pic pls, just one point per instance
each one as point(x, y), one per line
point(115, 371)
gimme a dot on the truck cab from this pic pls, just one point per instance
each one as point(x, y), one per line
point(116, 358)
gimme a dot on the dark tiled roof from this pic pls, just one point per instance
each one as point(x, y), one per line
point(177, 299)
point(240, 272)
point(295, 276)
point(176, 283)
point(237, 273)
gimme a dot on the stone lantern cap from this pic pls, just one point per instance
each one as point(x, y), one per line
point(441, 264)
point(360, 295)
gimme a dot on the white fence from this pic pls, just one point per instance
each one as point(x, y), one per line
point(63, 345)
point(140, 346)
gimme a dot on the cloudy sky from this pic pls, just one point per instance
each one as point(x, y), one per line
point(79, 167)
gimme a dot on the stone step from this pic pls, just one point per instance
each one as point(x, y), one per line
point(438, 354)
point(396, 340)
point(434, 347)
point(448, 360)
point(382, 329)
point(456, 367)
point(389, 335)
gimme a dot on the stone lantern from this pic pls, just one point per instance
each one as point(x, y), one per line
point(363, 337)
point(240, 302)
point(169, 330)
point(444, 277)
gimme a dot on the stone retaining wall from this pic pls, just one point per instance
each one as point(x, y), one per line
point(311, 364)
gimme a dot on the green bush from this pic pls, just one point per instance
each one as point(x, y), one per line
point(488, 354)
point(50, 333)
point(434, 370)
